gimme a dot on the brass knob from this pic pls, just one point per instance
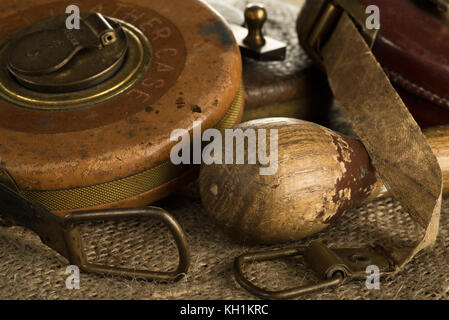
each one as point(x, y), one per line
point(255, 17)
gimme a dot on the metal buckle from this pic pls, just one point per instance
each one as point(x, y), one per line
point(335, 266)
point(441, 5)
point(63, 236)
point(75, 252)
point(324, 16)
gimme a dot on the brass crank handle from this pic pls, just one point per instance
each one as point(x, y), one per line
point(33, 54)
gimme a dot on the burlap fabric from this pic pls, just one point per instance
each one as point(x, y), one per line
point(29, 270)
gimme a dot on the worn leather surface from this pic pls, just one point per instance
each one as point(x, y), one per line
point(295, 79)
point(396, 145)
point(276, 82)
point(413, 49)
point(394, 141)
point(39, 151)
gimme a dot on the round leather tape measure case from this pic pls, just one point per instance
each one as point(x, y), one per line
point(87, 110)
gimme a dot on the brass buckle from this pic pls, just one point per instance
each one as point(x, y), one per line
point(335, 266)
point(441, 5)
point(324, 16)
point(75, 252)
point(63, 236)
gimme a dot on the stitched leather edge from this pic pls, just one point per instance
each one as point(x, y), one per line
point(417, 89)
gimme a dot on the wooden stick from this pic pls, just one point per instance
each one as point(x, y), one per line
point(438, 138)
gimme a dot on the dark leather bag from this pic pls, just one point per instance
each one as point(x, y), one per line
point(413, 49)
point(293, 87)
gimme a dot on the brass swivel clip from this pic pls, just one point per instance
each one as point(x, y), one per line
point(335, 266)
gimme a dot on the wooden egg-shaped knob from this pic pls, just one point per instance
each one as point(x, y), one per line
point(320, 175)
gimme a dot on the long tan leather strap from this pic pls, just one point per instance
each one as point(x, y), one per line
point(398, 149)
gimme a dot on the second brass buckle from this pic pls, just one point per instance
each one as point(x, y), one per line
point(335, 266)
point(324, 16)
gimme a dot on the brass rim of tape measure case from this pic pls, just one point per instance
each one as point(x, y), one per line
point(118, 190)
point(136, 63)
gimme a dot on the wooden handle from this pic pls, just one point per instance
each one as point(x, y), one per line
point(321, 175)
point(438, 139)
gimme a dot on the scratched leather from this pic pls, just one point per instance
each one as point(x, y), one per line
point(280, 81)
point(397, 147)
point(414, 52)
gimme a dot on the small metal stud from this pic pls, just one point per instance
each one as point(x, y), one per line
point(255, 17)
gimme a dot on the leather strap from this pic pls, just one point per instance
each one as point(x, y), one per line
point(398, 149)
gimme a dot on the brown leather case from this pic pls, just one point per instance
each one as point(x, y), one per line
point(290, 88)
point(413, 49)
point(115, 153)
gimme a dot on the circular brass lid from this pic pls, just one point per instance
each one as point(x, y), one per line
point(86, 77)
point(46, 56)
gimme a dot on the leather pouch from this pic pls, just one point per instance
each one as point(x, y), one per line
point(413, 48)
point(293, 87)
point(108, 145)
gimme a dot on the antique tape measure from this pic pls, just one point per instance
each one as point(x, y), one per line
point(86, 114)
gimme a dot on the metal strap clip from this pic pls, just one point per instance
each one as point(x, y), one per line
point(441, 5)
point(327, 15)
point(335, 266)
point(63, 235)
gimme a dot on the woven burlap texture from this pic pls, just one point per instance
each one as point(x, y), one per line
point(30, 270)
